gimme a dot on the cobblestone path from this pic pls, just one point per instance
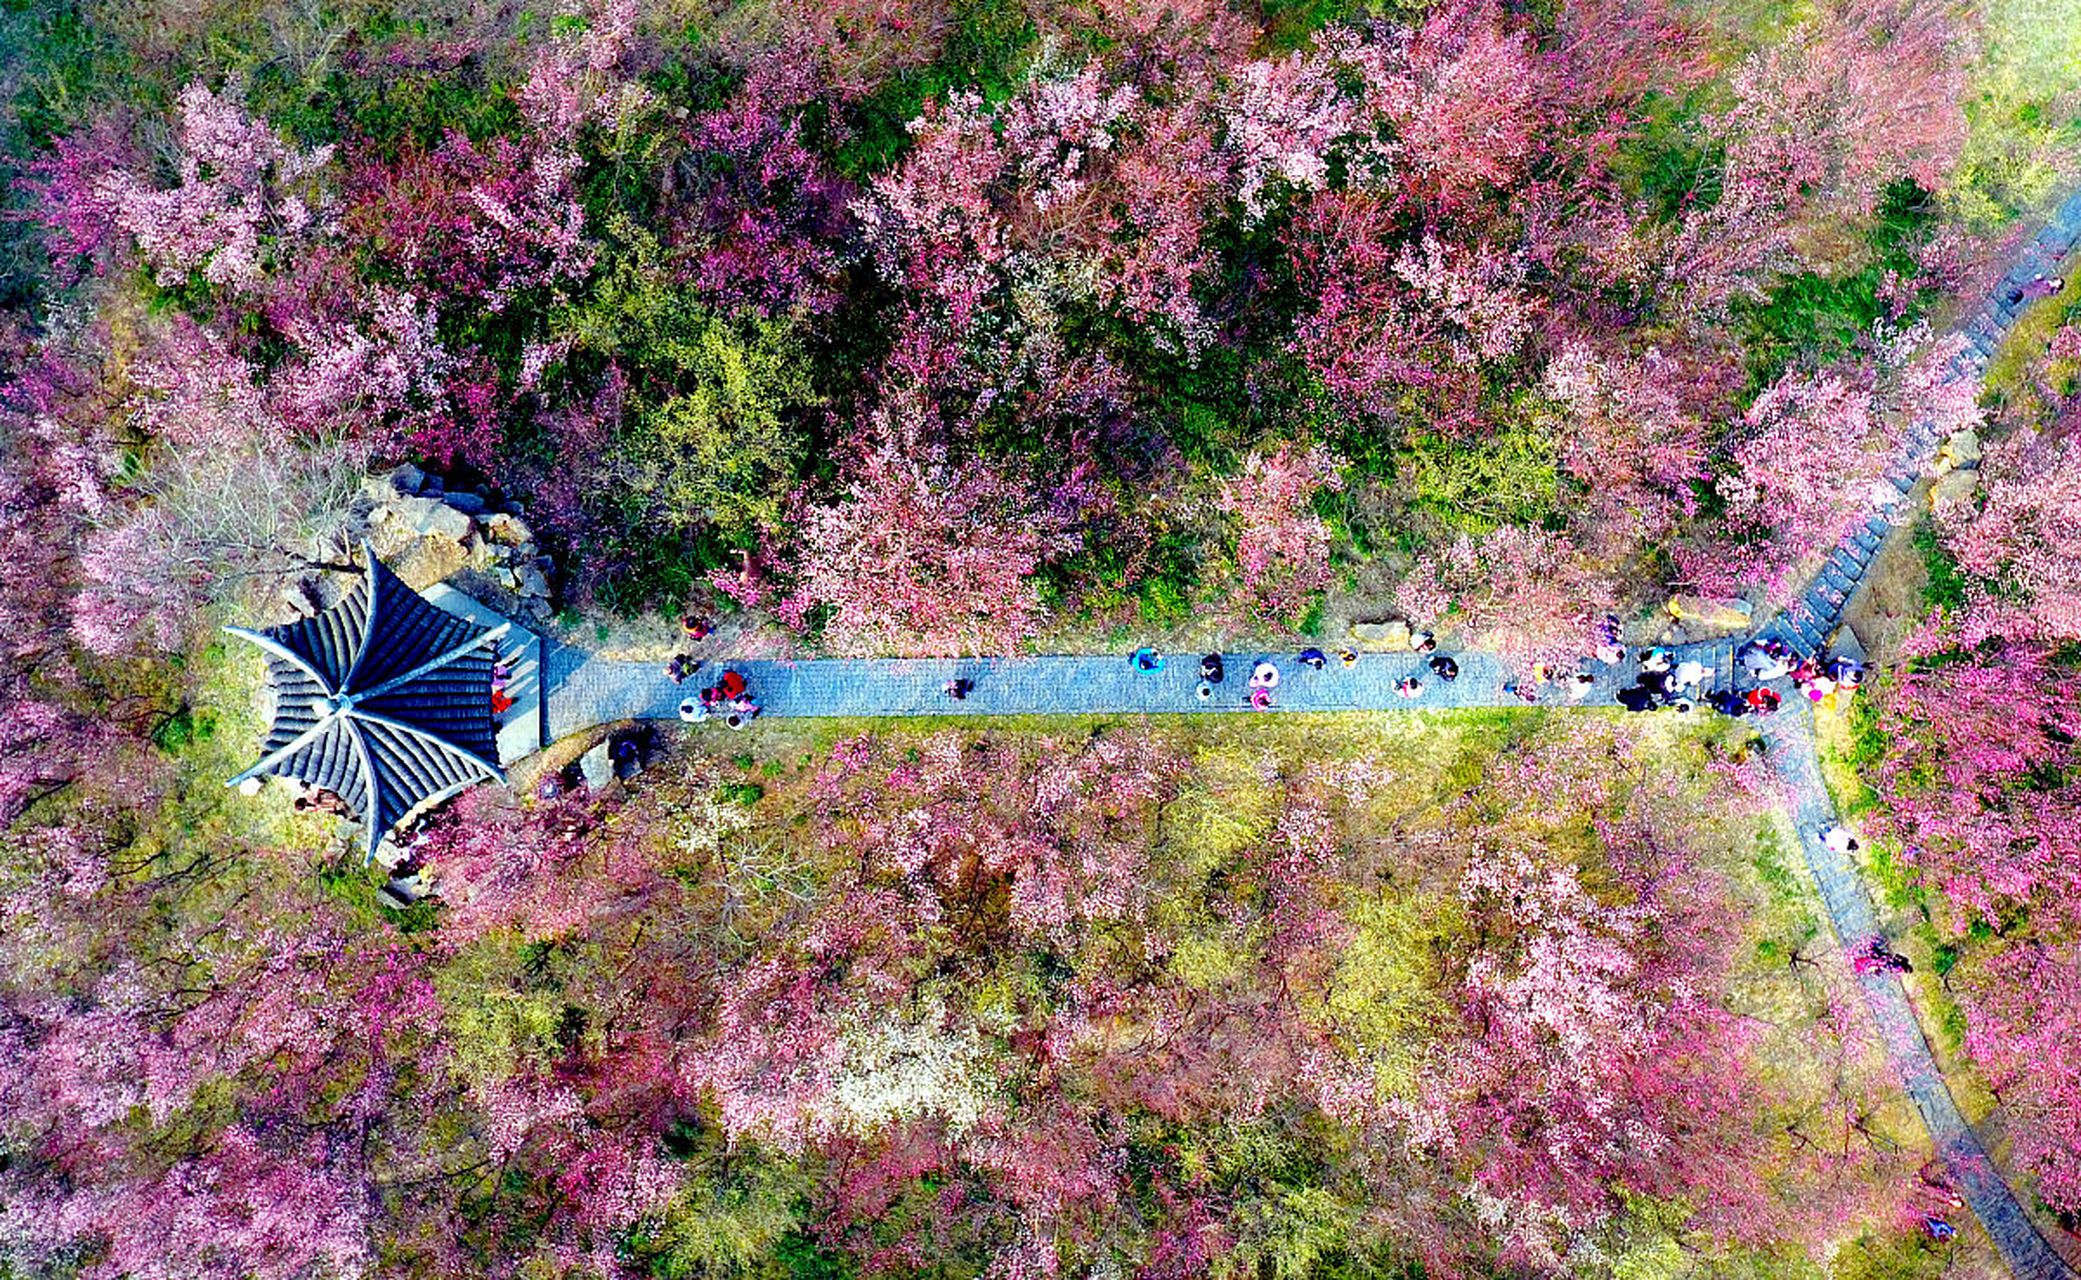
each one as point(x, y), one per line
point(585, 691)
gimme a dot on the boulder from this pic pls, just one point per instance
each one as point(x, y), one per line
point(1388, 634)
point(1708, 614)
point(430, 559)
point(407, 478)
point(506, 529)
point(1953, 487)
point(466, 502)
point(424, 516)
point(532, 581)
point(1962, 449)
point(597, 766)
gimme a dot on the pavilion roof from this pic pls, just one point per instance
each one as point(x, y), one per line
point(382, 699)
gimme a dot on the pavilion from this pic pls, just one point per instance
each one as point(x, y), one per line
point(383, 700)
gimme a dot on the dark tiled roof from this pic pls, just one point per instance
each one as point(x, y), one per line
point(382, 699)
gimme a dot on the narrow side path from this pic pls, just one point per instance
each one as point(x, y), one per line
point(1807, 622)
point(2029, 1257)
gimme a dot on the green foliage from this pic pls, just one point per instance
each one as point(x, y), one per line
point(1288, 1232)
point(1388, 995)
point(68, 65)
point(1510, 477)
point(502, 1010)
point(184, 728)
point(1668, 160)
point(1890, 1257)
point(986, 51)
point(731, 1216)
point(1291, 24)
point(712, 439)
point(2021, 109)
point(1946, 586)
point(742, 793)
point(1813, 319)
point(1899, 885)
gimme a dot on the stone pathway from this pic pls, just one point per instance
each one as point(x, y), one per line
point(2027, 1254)
point(585, 691)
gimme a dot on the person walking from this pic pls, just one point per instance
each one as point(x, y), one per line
point(1837, 838)
point(1580, 686)
point(1146, 659)
point(1611, 650)
point(1409, 687)
point(1210, 669)
point(1766, 660)
point(1443, 667)
point(2038, 286)
point(1314, 659)
point(1264, 676)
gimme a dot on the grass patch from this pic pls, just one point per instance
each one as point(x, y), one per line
point(1945, 588)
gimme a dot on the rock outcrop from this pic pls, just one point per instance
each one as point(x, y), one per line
point(428, 534)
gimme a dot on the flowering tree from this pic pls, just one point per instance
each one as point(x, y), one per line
point(2019, 542)
point(2022, 1029)
point(1282, 547)
point(774, 215)
point(928, 555)
point(476, 223)
point(1525, 593)
point(244, 195)
point(1859, 96)
point(1810, 458)
point(1967, 742)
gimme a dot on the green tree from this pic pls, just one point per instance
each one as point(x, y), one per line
point(714, 437)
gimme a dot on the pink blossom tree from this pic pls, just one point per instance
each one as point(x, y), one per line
point(2022, 541)
point(2024, 1029)
point(244, 195)
point(1282, 546)
point(928, 555)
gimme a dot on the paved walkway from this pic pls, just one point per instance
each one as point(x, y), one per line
point(585, 691)
point(2027, 1254)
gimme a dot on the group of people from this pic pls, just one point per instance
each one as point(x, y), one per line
point(501, 682)
point(1264, 675)
point(729, 697)
point(1663, 681)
